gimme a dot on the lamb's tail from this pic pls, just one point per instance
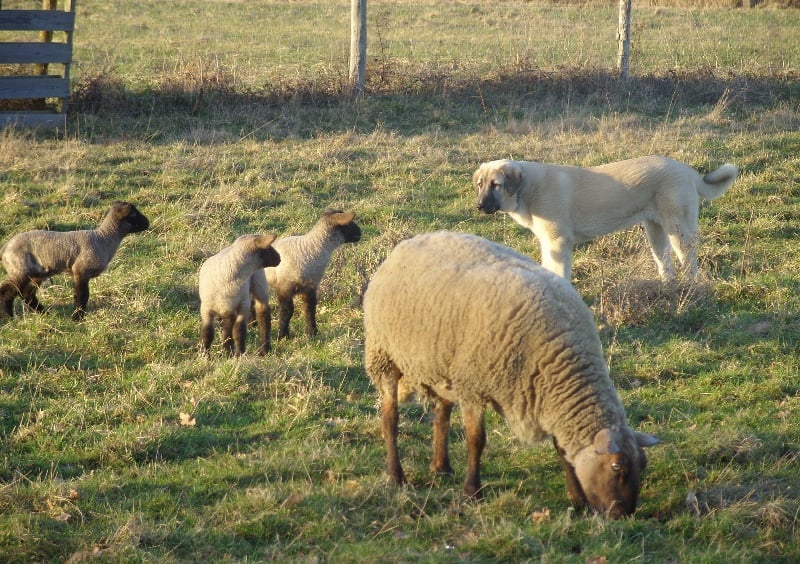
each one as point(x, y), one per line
point(716, 183)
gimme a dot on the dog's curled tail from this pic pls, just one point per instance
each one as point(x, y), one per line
point(716, 183)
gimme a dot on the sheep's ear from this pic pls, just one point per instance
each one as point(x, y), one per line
point(606, 442)
point(345, 218)
point(121, 209)
point(266, 240)
point(513, 176)
point(645, 440)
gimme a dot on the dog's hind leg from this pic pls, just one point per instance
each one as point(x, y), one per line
point(660, 247)
point(684, 244)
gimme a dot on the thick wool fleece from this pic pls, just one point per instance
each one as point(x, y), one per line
point(472, 321)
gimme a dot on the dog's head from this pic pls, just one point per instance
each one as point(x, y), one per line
point(496, 184)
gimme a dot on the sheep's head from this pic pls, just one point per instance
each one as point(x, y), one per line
point(343, 223)
point(496, 185)
point(609, 471)
point(128, 216)
point(261, 247)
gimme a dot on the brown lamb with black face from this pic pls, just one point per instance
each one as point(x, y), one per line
point(464, 320)
point(304, 259)
point(32, 257)
point(229, 282)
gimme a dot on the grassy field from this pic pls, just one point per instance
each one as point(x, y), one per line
point(118, 442)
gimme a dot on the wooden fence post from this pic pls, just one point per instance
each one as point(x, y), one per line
point(358, 46)
point(624, 39)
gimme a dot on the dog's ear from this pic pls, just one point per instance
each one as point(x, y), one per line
point(513, 176)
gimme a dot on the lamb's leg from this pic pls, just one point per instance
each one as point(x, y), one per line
point(80, 290)
point(206, 332)
point(264, 321)
point(310, 311)
point(390, 422)
point(574, 489)
point(28, 292)
point(475, 430)
point(240, 333)
point(227, 334)
point(8, 292)
point(285, 312)
point(441, 431)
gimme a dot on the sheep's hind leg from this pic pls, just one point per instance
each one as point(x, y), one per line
point(285, 312)
point(441, 431)
point(240, 334)
point(390, 423)
point(310, 311)
point(227, 334)
point(80, 288)
point(475, 429)
point(206, 332)
point(263, 321)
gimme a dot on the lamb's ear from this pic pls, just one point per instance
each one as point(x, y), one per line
point(266, 240)
point(344, 218)
point(513, 176)
point(606, 441)
point(645, 440)
point(121, 209)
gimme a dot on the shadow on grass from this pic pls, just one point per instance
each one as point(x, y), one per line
point(410, 100)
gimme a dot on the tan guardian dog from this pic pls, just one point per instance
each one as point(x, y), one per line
point(565, 205)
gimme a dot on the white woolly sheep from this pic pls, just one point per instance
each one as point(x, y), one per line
point(32, 257)
point(304, 259)
point(462, 319)
point(229, 282)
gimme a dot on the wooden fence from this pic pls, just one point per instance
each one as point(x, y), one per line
point(30, 84)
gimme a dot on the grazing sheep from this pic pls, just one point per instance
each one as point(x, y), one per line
point(32, 257)
point(462, 319)
point(304, 259)
point(228, 282)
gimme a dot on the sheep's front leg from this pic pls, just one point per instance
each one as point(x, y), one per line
point(441, 432)
point(310, 311)
point(8, 291)
point(80, 290)
point(390, 424)
point(574, 489)
point(475, 430)
point(285, 312)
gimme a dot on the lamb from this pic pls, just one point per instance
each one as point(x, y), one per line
point(462, 319)
point(304, 259)
point(32, 257)
point(229, 282)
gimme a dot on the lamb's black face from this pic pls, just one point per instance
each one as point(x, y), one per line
point(351, 232)
point(136, 220)
point(269, 257)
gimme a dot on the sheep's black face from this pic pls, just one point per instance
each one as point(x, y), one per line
point(132, 217)
point(269, 257)
point(351, 232)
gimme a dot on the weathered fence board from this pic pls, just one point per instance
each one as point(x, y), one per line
point(37, 86)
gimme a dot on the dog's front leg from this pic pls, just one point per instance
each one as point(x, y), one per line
point(557, 256)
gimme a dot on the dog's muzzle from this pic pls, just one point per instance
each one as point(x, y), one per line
point(488, 205)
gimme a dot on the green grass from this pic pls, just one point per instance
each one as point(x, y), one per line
point(223, 118)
